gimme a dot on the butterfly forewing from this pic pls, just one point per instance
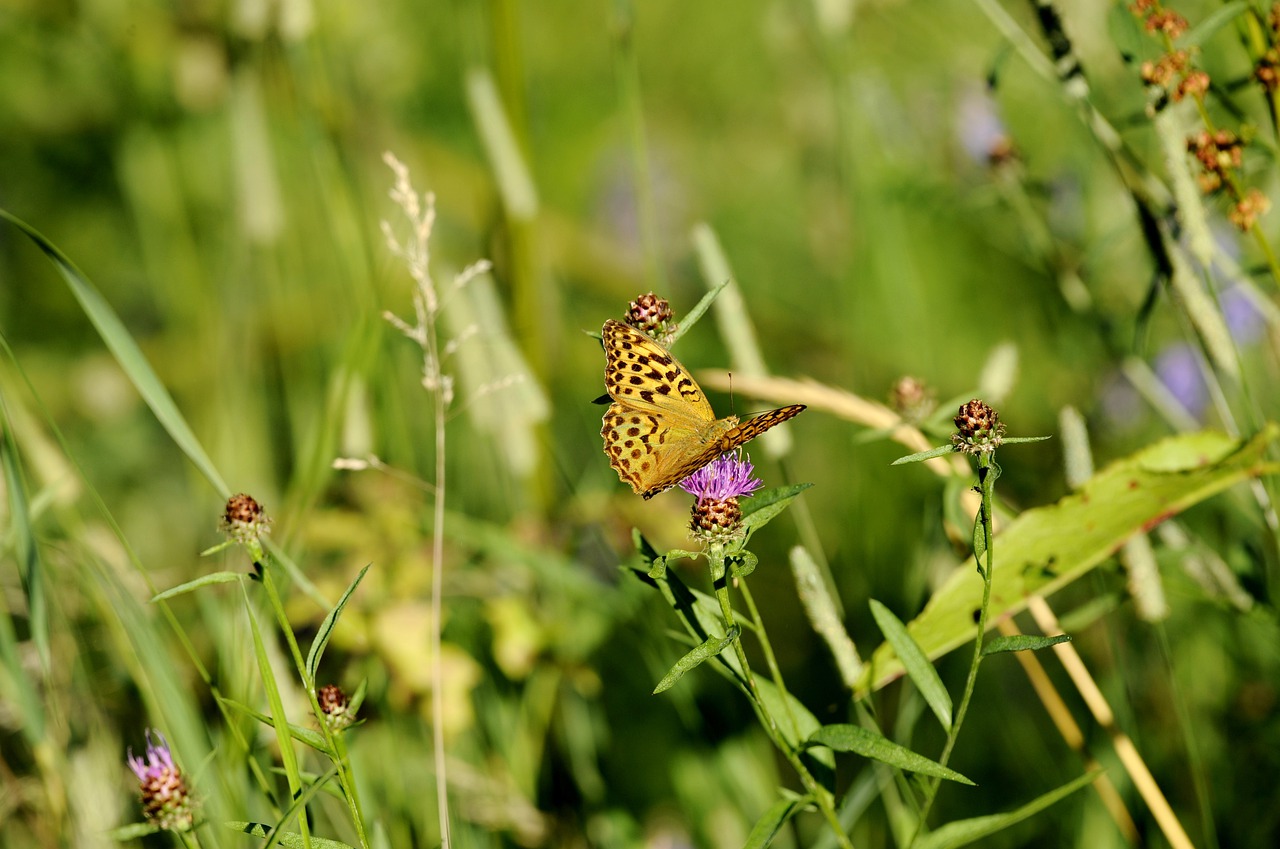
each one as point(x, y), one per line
point(660, 428)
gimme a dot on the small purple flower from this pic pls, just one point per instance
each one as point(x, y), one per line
point(159, 759)
point(166, 801)
point(725, 477)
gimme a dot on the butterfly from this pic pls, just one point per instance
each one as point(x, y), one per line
point(660, 428)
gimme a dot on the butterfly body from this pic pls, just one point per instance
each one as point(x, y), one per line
point(660, 427)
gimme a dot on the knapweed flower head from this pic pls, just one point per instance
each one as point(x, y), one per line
point(335, 706)
point(652, 315)
point(716, 516)
point(978, 429)
point(244, 519)
point(165, 798)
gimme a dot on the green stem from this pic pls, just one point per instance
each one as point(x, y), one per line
point(986, 479)
point(820, 794)
point(769, 657)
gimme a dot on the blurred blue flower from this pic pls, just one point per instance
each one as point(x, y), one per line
point(1178, 368)
point(1243, 318)
point(979, 125)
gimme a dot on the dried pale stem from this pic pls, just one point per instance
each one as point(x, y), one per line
point(1061, 716)
point(1101, 710)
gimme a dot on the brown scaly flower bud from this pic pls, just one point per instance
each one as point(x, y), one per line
point(1267, 71)
point(911, 399)
point(1170, 23)
point(1141, 7)
point(652, 315)
point(165, 798)
point(1164, 70)
point(978, 429)
point(244, 519)
point(335, 706)
point(1194, 84)
point(1246, 212)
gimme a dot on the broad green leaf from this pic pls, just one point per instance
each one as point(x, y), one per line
point(203, 580)
point(127, 353)
point(1046, 548)
point(869, 744)
point(326, 629)
point(1022, 642)
point(768, 826)
point(705, 650)
point(963, 832)
point(922, 672)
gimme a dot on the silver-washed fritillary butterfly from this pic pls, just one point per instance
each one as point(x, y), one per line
point(660, 428)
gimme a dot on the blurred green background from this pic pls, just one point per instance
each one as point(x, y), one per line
point(216, 169)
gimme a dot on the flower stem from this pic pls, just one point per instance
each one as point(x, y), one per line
point(987, 473)
point(826, 803)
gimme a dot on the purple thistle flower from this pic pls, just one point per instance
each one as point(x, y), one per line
point(166, 801)
point(725, 477)
point(159, 759)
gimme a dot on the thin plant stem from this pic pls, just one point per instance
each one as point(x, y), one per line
point(824, 799)
point(986, 479)
point(437, 610)
point(769, 657)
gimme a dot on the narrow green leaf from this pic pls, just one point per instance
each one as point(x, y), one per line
point(979, 538)
point(506, 156)
point(26, 552)
point(963, 832)
point(691, 317)
point(742, 564)
point(869, 744)
point(291, 839)
point(203, 580)
point(768, 826)
point(133, 831)
point(1207, 28)
point(940, 451)
point(1022, 642)
point(783, 711)
point(288, 757)
point(307, 736)
point(326, 629)
point(711, 647)
point(298, 810)
point(128, 355)
point(824, 615)
point(922, 672)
